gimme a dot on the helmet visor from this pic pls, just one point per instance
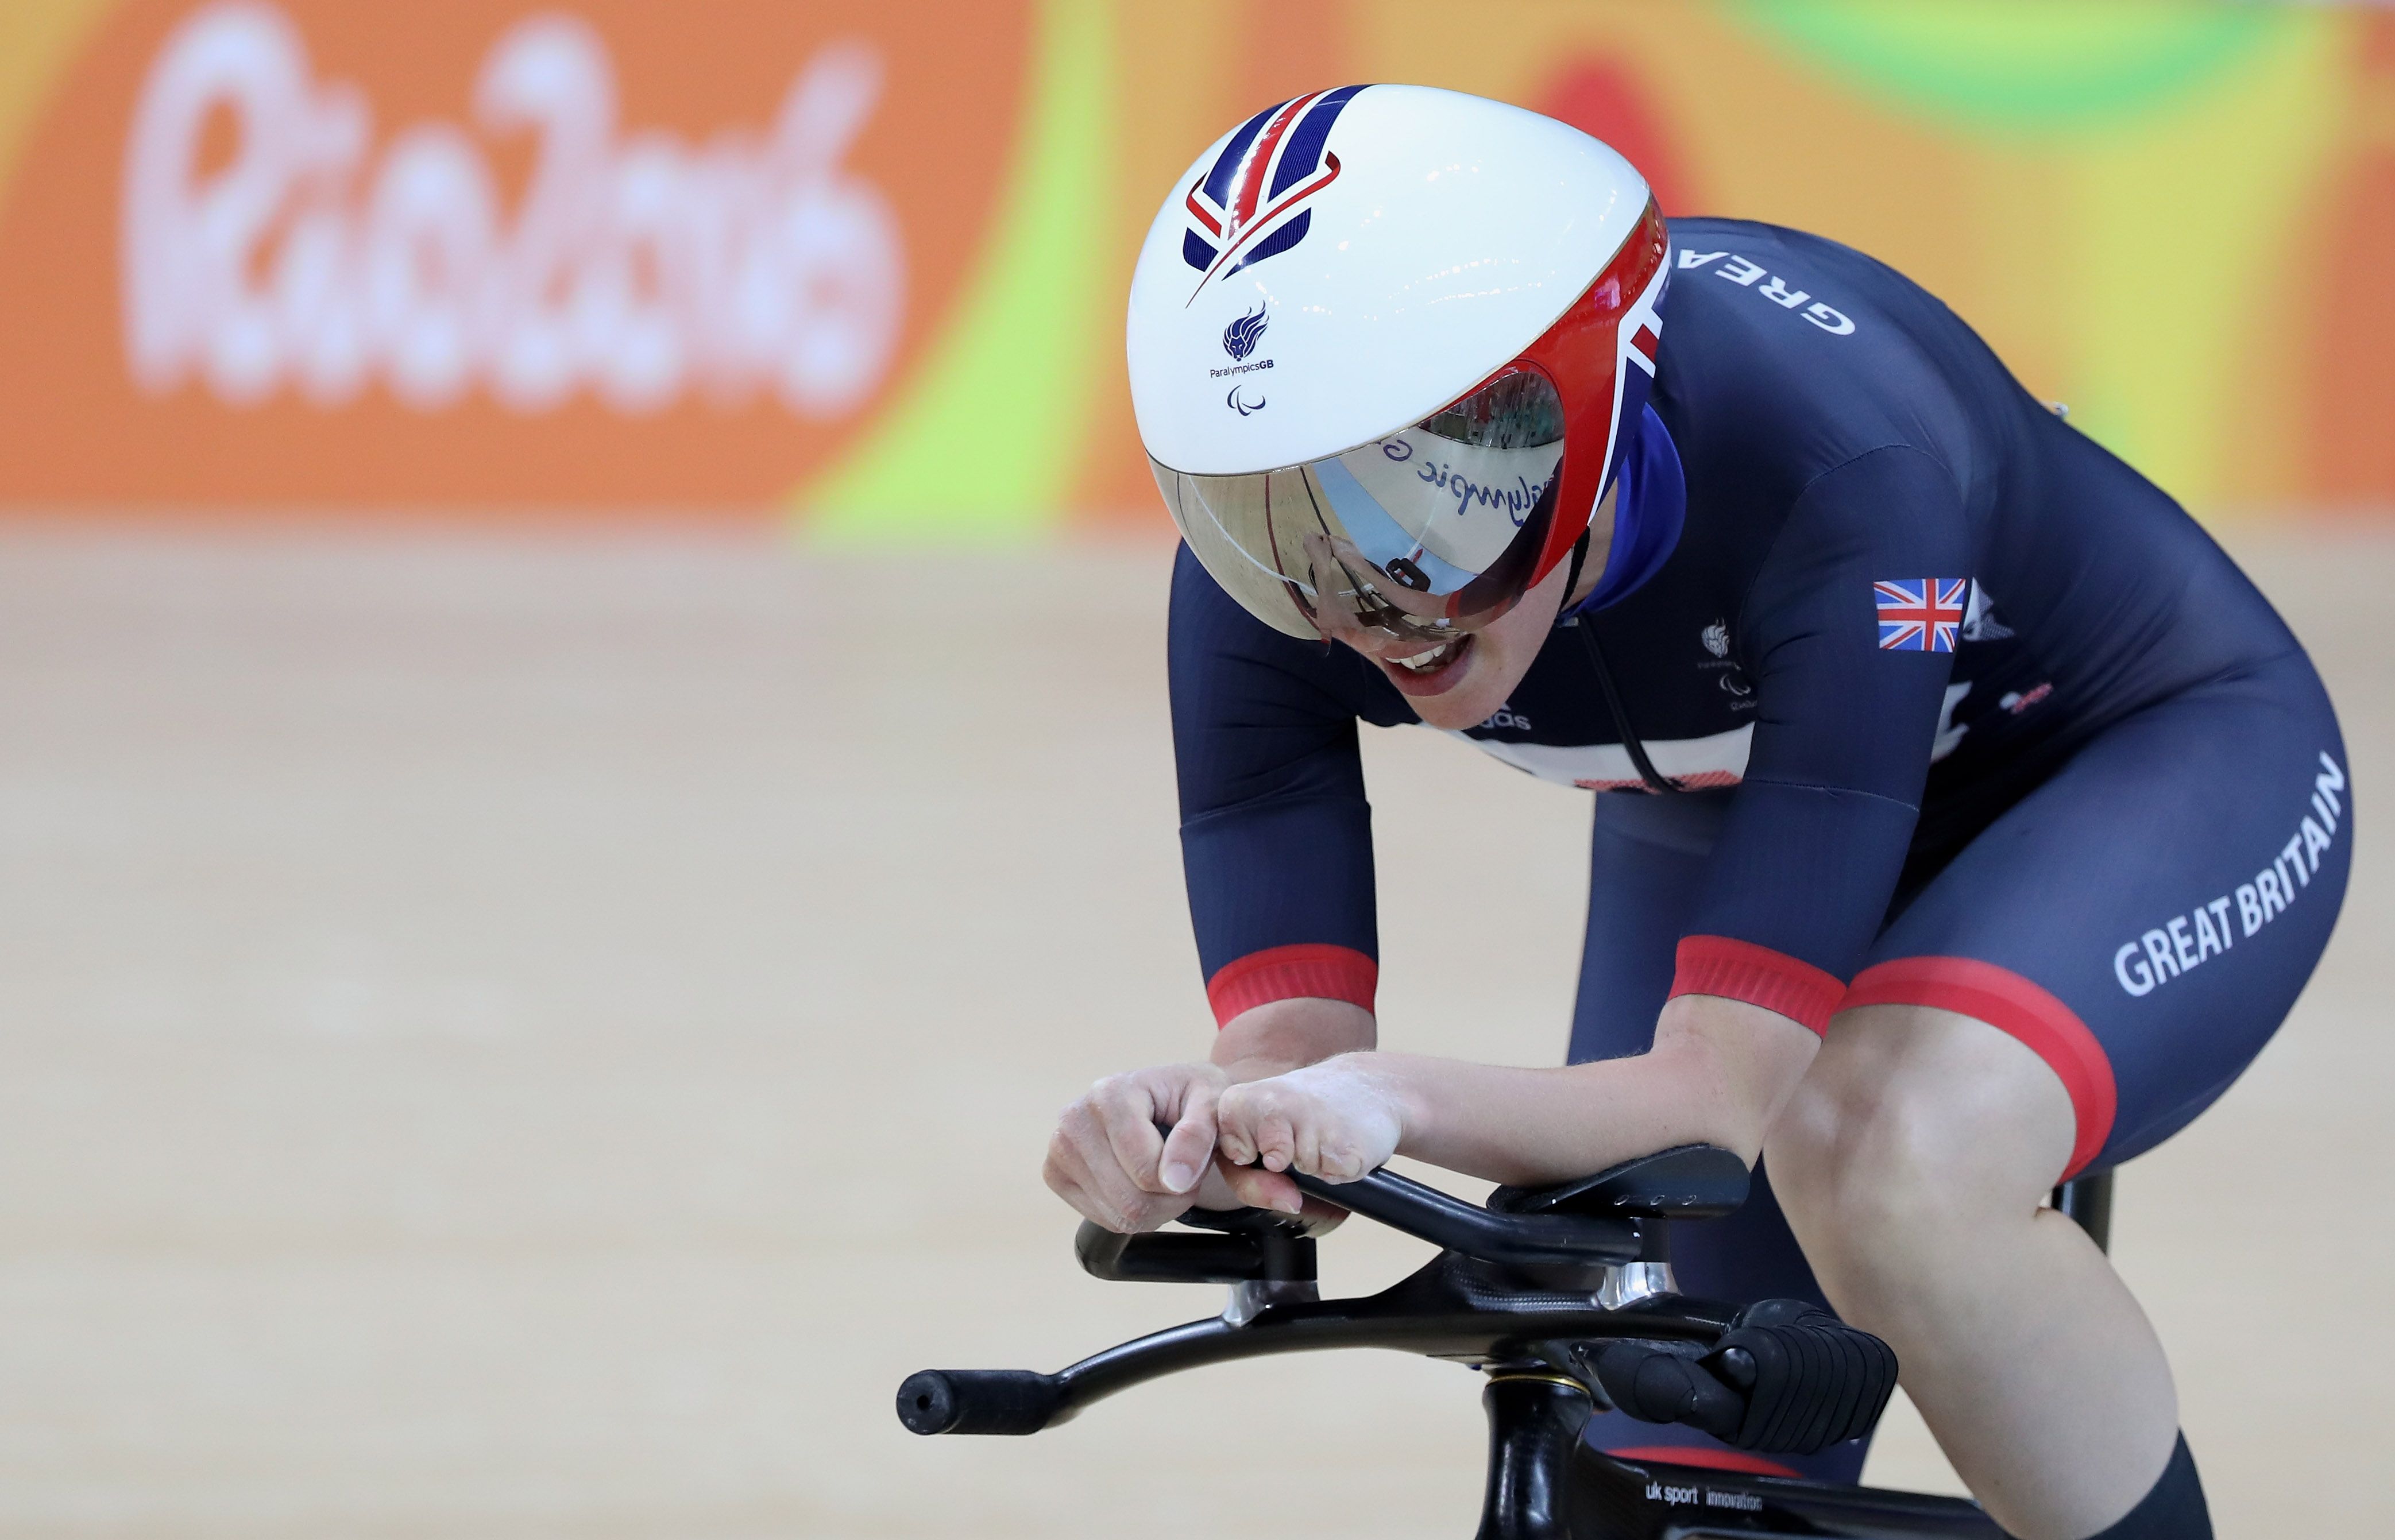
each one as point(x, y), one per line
point(1422, 532)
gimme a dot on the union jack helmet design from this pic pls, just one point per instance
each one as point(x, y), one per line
point(1251, 204)
point(1407, 321)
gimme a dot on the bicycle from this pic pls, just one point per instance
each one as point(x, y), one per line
point(1564, 1298)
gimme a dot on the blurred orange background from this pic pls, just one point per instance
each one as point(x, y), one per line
point(864, 267)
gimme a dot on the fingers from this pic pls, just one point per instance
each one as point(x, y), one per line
point(1089, 1178)
point(1108, 1159)
point(1191, 1142)
point(1235, 1134)
point(1337, 1163)
point(1255, 1126)
point(1258, 1187)
point(1125, 1110)
point(1061, 1172)
point(1332, 1120)
point(1320, 1218)
point(1305, 1145)
point(1068, 1176)
point(1254, 1142)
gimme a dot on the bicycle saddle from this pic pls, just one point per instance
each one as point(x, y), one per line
point(1691, 1181)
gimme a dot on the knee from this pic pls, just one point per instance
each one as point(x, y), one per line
point(1852, 1165)
point(1869, 1157)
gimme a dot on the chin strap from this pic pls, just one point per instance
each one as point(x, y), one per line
point(1657, 782)
point(1571, 580)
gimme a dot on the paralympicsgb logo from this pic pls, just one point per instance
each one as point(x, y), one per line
point(1251, 204)
point(1240, 337)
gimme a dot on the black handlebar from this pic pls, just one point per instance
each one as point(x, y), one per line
point(1233, 1246)
point(1450, 1223)
point(1253, 1243)
point(1513, 1292)
point(1447, 1309)
point(1176, 1258)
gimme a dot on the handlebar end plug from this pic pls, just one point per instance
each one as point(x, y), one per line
point(978, 1400)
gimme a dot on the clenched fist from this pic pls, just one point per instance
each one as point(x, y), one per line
point(1335, 1120)
point(1108, 1160)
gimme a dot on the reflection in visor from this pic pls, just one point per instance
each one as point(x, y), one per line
point(1452, 512)
point(1376, 532)
point(1447, 508)
point(1517, 409)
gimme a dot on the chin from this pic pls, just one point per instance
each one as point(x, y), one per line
point(1465, 688)
point(1468, 705)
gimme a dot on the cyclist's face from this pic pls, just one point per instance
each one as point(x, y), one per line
point(1461, 682)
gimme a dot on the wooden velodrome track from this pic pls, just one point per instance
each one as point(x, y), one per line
point(535, 1037)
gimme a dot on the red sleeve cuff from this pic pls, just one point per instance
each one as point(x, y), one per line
point(1742, 970)
point(1311, 970)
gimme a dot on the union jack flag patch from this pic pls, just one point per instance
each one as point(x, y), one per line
point(1920, 615)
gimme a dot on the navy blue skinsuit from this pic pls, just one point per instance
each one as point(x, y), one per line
point(1964, 712)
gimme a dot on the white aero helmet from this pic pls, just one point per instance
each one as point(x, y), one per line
point(1413, 324)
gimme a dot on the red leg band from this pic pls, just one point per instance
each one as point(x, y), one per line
point(2020, 1009)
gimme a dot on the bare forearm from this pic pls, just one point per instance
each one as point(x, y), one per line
point(1717, 1074)
point(1287, 1034)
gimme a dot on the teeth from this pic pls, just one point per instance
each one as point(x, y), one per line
point(1423, 661)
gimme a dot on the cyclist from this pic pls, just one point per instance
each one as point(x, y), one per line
point(1968, 821)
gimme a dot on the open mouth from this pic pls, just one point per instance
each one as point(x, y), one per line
point(1429, 670)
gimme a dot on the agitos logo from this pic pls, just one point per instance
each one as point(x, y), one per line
point(1250, 205)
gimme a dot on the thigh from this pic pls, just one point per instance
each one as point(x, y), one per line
point(2144, 919)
